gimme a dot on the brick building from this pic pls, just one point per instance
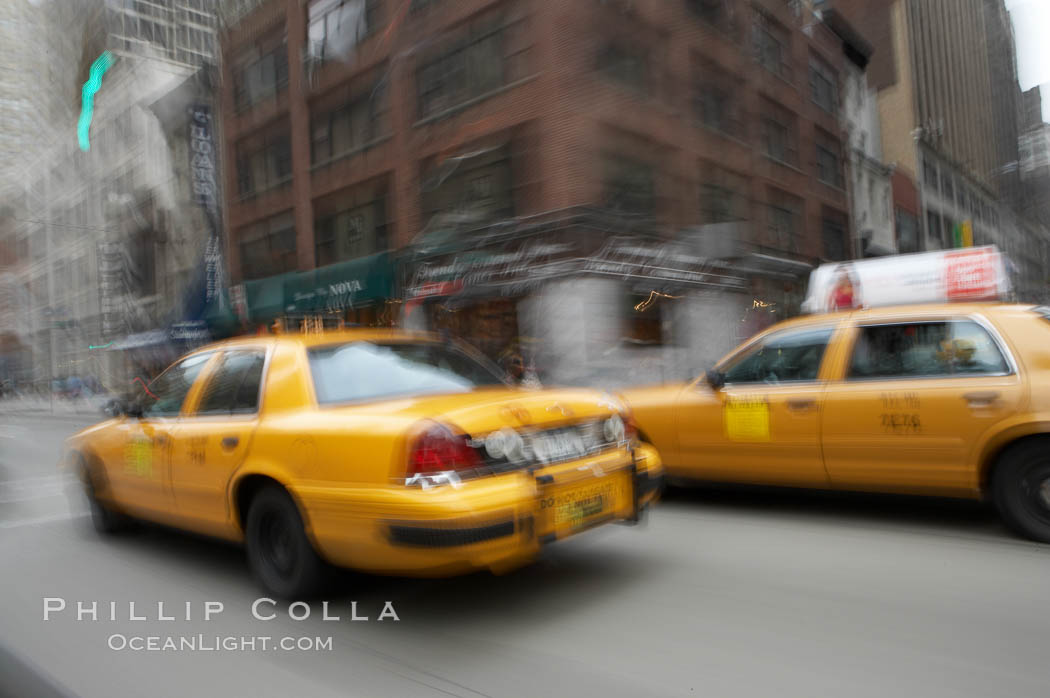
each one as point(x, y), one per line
point(364, 126)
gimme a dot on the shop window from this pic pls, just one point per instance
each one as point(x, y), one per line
point(263, 164)
point(823, 84)
point(625, 63)
point(723, 195)
point(629, 185)
point(335, 27)
point(829, 159)
point(772, 45)
point(779, 133)
point(350, 127)
point(351, 233)
point(929, 174)
point(833, 234)
point(261, 78)
point(716, 101)
point(784, 213)
point(646, 314)
point(268, 247)
point(478, 188)
point(467, 70)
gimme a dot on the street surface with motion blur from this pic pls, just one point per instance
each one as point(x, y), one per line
point(720, 592)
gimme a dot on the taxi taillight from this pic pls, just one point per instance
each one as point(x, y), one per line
point(439, 450)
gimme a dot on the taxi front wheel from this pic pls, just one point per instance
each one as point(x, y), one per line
point(280, 554)
point(105, 520)
point(1021, 487)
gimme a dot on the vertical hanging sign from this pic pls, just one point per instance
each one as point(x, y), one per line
point(205, 194)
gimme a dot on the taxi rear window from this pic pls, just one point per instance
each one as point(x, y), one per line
point(359, 371)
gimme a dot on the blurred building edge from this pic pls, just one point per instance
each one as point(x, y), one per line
point(110, 240)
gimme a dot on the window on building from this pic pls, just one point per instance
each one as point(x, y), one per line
point(268, 247)
point(907, 232)
point(933, 226)
point(468, 69)
point(713, 12)
point(356, 231)
point(925, 349)
point(335, 27)
point(723, 195)
point(263, 163)
point(626, 63)
point(823, 84)
point(261, 78)
point(779, 133)
point(351, 126)
point(784, 214)
point(947, 186)
point(646, 313)
point(716, 101)
point(833, 234)
point(829, 159)
point(479, 188)
point(629, 185)
point(772, 45)
point(929, 174)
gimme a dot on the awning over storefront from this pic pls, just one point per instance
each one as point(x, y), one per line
point(335, 287)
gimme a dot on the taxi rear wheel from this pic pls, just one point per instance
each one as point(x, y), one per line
point(1021, 487)
point(281, 555)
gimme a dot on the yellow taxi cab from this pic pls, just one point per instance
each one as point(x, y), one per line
point(943, 399)
point(378, 450)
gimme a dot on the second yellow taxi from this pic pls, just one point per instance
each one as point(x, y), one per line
point(942, 399)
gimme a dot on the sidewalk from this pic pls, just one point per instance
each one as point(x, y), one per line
point(42, 407)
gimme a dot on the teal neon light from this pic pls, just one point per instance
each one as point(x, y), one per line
point(87, 97)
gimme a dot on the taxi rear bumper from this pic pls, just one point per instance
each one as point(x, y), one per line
point(481, 525)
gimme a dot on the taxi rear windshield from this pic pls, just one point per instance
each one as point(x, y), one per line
point(359, 371)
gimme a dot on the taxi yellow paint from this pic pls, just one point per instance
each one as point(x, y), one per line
point(344, 466)
point(939, 435)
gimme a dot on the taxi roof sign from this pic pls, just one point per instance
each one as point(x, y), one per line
point(968, 274)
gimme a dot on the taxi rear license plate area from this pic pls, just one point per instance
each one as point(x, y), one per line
point(569, 507)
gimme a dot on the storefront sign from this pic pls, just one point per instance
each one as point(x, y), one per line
point(205, 194)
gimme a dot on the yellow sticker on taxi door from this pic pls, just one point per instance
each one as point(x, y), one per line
point(138, 457)
point(746, 419)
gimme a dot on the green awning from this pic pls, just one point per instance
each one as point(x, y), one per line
point(264, 298)
point(341, 286)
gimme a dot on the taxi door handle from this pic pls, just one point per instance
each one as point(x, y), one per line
point(981, 398)
point(160, 439)
point(801, 404)
point(230, 442)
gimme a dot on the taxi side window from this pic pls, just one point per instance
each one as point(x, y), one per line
point(916, 349)
point(168, 391)
point(784, 357)
point(234, 386)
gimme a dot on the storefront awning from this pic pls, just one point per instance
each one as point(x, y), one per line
point(334, 287)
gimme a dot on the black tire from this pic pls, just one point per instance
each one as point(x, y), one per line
point(279, 552)
point(106, 521)
point(1021, 488)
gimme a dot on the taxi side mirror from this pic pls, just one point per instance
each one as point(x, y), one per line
point(715, 378)
point(132, 408)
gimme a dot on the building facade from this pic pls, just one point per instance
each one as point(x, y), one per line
point(950, 108)
point(370, 126)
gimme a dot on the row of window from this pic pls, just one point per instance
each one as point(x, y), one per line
point(233, 387)
point(904, 350)
point(952, 189)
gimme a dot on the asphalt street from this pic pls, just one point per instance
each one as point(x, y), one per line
point(719, 593)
